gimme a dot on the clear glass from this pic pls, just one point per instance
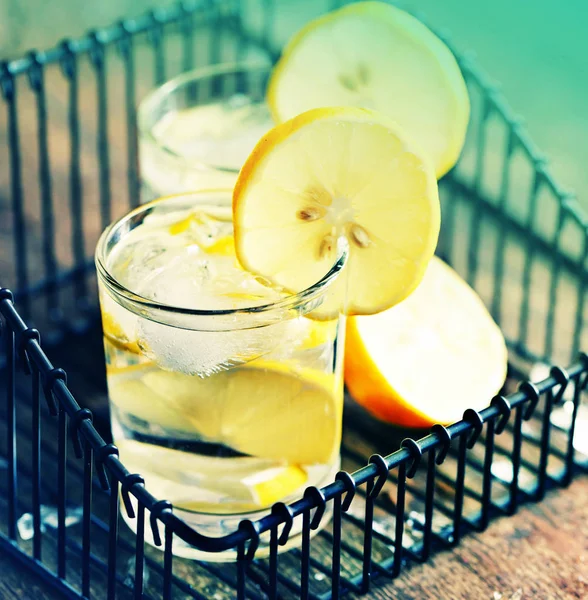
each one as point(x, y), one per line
point(226, 393)
point(196, 131)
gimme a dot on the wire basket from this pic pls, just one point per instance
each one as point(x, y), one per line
point(70, 167)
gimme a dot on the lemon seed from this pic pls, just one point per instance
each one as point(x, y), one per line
point(347, 82)
point(327, 245)
point(359, 236)
point(309, 214)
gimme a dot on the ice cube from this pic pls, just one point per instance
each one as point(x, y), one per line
point(129, 579)
point(25, 526)
point(209, 282)
point(204, 353)
point(221, 134)
point(73, 515)
point(561, 417)
point(49, 518)
point(414, 526)
point(502, 470)
point(176, 270)
point(191, 278)
point(146, 254)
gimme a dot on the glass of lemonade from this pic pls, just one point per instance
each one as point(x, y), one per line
point(196, 130)
point(226, 392)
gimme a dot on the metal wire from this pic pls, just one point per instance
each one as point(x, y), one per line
point(37, 83)
point(98, 59)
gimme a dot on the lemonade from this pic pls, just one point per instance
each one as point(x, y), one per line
point(224, 395)
point(196, 131)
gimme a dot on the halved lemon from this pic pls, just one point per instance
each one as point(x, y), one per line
point(329, 174)
point(428, 359)
point(377, 56)
point(131, 396)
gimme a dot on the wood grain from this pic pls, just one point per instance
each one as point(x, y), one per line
point(539, 554)
point(17, 583)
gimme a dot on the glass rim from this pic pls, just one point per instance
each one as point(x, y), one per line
point(156, 96)
point(290, 302)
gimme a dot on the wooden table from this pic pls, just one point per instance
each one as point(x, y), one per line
point(539, 554)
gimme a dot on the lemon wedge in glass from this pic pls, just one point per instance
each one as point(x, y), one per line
point(208, 483)
point(268, 411)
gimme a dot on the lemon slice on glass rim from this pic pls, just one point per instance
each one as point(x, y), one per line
point(374, 55)
point(334, 174)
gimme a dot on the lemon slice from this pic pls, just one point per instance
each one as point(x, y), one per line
point(115, 334)
point(269, 412)
point(207, 483)
point(225, 246)
point(130, 395)
point(428, 359)
point(377, 56)
point(334, 173)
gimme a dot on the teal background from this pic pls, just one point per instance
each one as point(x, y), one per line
point(536, 49)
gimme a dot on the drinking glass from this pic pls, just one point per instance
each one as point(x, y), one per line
point(196, 130)
point(225, 392)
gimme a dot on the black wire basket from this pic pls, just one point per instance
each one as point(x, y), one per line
point(70, 166)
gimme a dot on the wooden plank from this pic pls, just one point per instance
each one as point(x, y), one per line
point(539, 554)
point(18, 582)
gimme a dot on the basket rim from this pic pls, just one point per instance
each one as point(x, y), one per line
point(468, 427)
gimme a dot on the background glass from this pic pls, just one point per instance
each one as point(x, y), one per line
point(197, 130)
